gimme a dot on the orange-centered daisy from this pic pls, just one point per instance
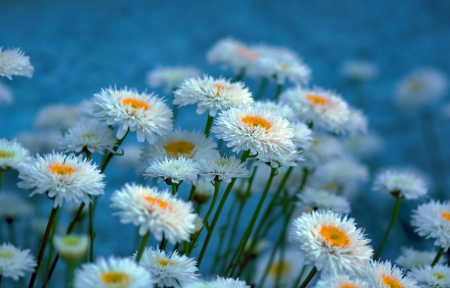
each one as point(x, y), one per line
point(116, 278)
point(254, 121)
point(348, 286)
point(335, 236)
point(316, 99)
point(391, 282)
point(61, 169)
point(156, 201)
point(219, 88)
point(176, 148)
point(247, 53)
point(446, 216)
point(135, 104)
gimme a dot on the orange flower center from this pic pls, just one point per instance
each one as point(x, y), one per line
point(283, 66)
point(254, 121)
point(446, 216)
point(247, 53)
point(176, 148)
point(156, 201)
point(335, 236)
point(61, 169)
point(348, 286)
point(135, 104)
point(219, 88)
point(116, 278)
point(391, 282)
point(316, 99)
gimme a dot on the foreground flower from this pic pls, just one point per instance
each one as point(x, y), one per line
point(146, 114)
point(12, 155)
point(172, 170)
point(212, 94)
point(71, 247)
point(13, 62)
point(14, 263)
point(62, 177)
point(157, 212)
point(401, 182)
point(384, 274)
point(429, 277)
point(332, 244)
point(112, 272)
point(341, 281)
point(414, 258)
point(257, 130)
point(169, 270)
point(222, 168)
point(432, 220)
point(170, 77)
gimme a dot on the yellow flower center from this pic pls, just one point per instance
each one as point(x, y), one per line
point(135, 104)
point(176, 148)
point(348, 286)
point(415, 85)
point(335, 236)
point(255, 121)
point(316, 99)
point(391, 282)
point(116, 278)
point(439, 276)
point(61, 169)
point(164, 262)
point(6, 154)
point(247, 53)
point(156, 201)
point(280, 269)
point(5, 254)
point(446, 215)
point(89, 136)
point(70, 240)
point(283, 66)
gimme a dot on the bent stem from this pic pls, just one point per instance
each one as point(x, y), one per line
point(309, 277)
point(213, 203)
point(391, 224)
point(142, 247)
point(438, 256)
point(113, 152)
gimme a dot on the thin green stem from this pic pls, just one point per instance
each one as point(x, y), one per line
point(208, 126)
point(438, 256)
point(11, 232)
point(262, 88)
point(391, 224)
point(142, 246)
point(91, 232)
point(1, 178)
point(213, 203)
point(192, 193)
point(240, 75)
point(1, 278)
point(278, 92)
point(299, 278)
point(113, 152)
point(52, 247)
point(304, 178)
point(174, 188)
point(309, 277)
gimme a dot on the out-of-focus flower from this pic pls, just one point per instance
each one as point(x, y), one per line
point(311, 199)
point(401, 182)
point(13, 62)
point(43, 142)
point(12, 155)
point(6, 96)
point(430, 277)
point(57, 117)
point(276, 108)
point(363, 145)
point(341, 281)
point(71, 247)
point(13, 206)
point(359, 70)
point(170, 77)
point(14, 263)
point(414, 258)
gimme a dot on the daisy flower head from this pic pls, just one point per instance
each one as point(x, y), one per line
point(113, 272)
point(331, 242)
point(384, 274)
point(404, 183)
point(222, 168)
point(173, 170)
point(430, 277)
point(410, 258)
point(12, 155)
point(322, 107)
point(170, 77)
point(90, 136)
point(359, 70)
point(276, 108)
point(12, 206)
point(357, 123)
point(341, 281)
point(302, 135)
point(13, 62)
point(221, 282)
point(157, 212)
point(212, 94)
point(312, 199)
point(71, 247)
point(6, 96)
point(57, 117)
point(14, 263)
point(257, 130)
point(323, 149)
point(62, 177)
point(363, 146)
point(169, 269)
point(341, 171)
point(432, 220)
point(232, 53)
point(276, 160)
point(146, 114)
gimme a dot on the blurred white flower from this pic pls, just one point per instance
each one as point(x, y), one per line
point(13, 62)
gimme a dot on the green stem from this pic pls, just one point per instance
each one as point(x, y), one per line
point(391, 224)
point(216, 193)
point(1, 277)
point(113, 152)
point(43, 245)
point(52, 247)
point(304, 178)
point(174, 188)
point(11, 232)
point(309, 277)
point(438, 256)
point(262, 88)
point(209, 123)
point(299, 278)
point(1, 178)
point(142, 247)
point(71, 279)
point(91, 232)
point(240, 75)
point(278, 92)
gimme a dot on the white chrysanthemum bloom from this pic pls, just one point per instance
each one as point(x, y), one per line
point(12, 206)
point(173, 170)
point(232, 53)
point(58, 117)
point(431, 277)
point(414, 258)
point(221, 282)
point(170, 77)
point(203, 191)
point(341, 171)
point(71, 247)
point(302, 135)
point(43, 142)
point(198, 222)
point(384, 274)
point(359, 70)
point(276, 160)
point(323, 149)
point(363, 145)
point(179, 143)
point(13, 62)
point(157, 212)
point(6, 97)
point(12, 155)
point(341, 281)
point(146, 114)
point(321, 107)
point(113, 272)
point(212, 94)
point(14, 263)
point(62, 177)
point(421, 87)
point(332, 244)
point(249, 128)
point(311, 199)
point(88, 135)
point(222, 168)
point(276, 108)
point(169, 270)
point(404, 183)
point(357, 123)
point(432, 220)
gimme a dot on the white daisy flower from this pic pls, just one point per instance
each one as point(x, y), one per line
point(12, 155)
point(14, 263)
point(276, 108)
point(88, 135)
point(222, 168)
point(414, 258)
point(302, 135)
point(432, 220)
point(173, 170)
point(332, 244)
point(193, 145)
point(384, 274)
point(363, 145)
point(157, 212)
point(356, 124)
point(359, 70)
point(340, 281)
point(146, 114)
point(112, 272)
point(430, 277)
point(421, 87)
point(57, 117)
point(212, 94)
point(221, 282)
point(62, 177)
point(71, 247)
point(43, 142)
point(248, 128)
point(276, 160)
point(13, 62)
point(169, 270)
point(170, 77)
point(321, 199)
point(6, 96)
point(321, 107)
point(341, 171)
point(323, 149)
point(12, 206)
point(404, 183)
